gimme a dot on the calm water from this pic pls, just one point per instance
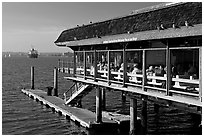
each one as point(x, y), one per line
point(22, 115)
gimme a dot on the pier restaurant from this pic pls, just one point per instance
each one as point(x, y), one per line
point(151, 55)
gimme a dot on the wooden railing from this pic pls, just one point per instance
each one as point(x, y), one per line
point(75, 87)
point(180, 85)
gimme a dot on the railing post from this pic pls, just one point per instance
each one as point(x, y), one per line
point(144, 80)
point(200, 73)
point(95, 65)
point(32, 77)
point(168, 65)
point(109, 69)
point(144, 102)
point(55, 82)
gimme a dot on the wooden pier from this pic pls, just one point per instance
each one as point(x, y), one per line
point(82, 116)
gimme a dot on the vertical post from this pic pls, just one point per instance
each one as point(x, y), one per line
point(144, 115)
point(109, 69)
point(55, 82)
point(168, 64)
point(200, 73)
point(59, 65)
point(144, 70)
point(32, 77)
point(95, 65)
point(133, 115)
point(123, 96)
point(156, 117)
point(144, 103)
point(84, 64)
point(124, 66)
point(74, 65)
point(103, 98)
point(98, 105)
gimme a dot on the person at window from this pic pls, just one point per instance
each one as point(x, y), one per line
point(121, 68)
point(192, 70)
point(150, 71)
point(136, 70)
point(99, 66)
point(174, 71)
point(160, 71)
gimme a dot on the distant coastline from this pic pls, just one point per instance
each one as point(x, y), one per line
point(43, 54)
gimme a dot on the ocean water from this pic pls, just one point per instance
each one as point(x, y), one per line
point(24, 116)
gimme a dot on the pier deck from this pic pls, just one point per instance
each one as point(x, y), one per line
point(184, 103)
point(84, 117)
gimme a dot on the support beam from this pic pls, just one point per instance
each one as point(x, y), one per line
point(168, 64)
point(133, 116)
point(109, 70)
point(84, 65)
point(144, 80)
point(123, 96)
point(200, 73)
point(55, 82)
point(124, 66)
point(95, 65)
point(156, 117)
point(74, 65)
point(144, 116)
point(98, 105)
point(32, 77)
point(103, 98)
point(144, 102)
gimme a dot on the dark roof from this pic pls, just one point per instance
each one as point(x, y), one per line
point(183, 31)
point(142, 21)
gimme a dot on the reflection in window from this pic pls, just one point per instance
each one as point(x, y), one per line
point(184, 62)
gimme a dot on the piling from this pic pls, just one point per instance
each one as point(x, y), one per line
point(55, 82)
point(123, 96)
point(144, 117)
point(133, 116)
point(49, 91)
point(103, 98)
point(32, 77)
point(98, 105)
point(156, 111)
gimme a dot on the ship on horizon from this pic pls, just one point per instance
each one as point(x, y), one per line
point(33, 53)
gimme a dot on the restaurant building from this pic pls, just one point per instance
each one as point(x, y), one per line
point(153, 54)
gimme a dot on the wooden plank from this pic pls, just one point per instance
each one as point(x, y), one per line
point(193, 81)
point(85, 117)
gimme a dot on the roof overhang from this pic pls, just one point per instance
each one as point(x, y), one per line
point(183, 31)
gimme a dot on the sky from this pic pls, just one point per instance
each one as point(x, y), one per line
point(37, 25)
